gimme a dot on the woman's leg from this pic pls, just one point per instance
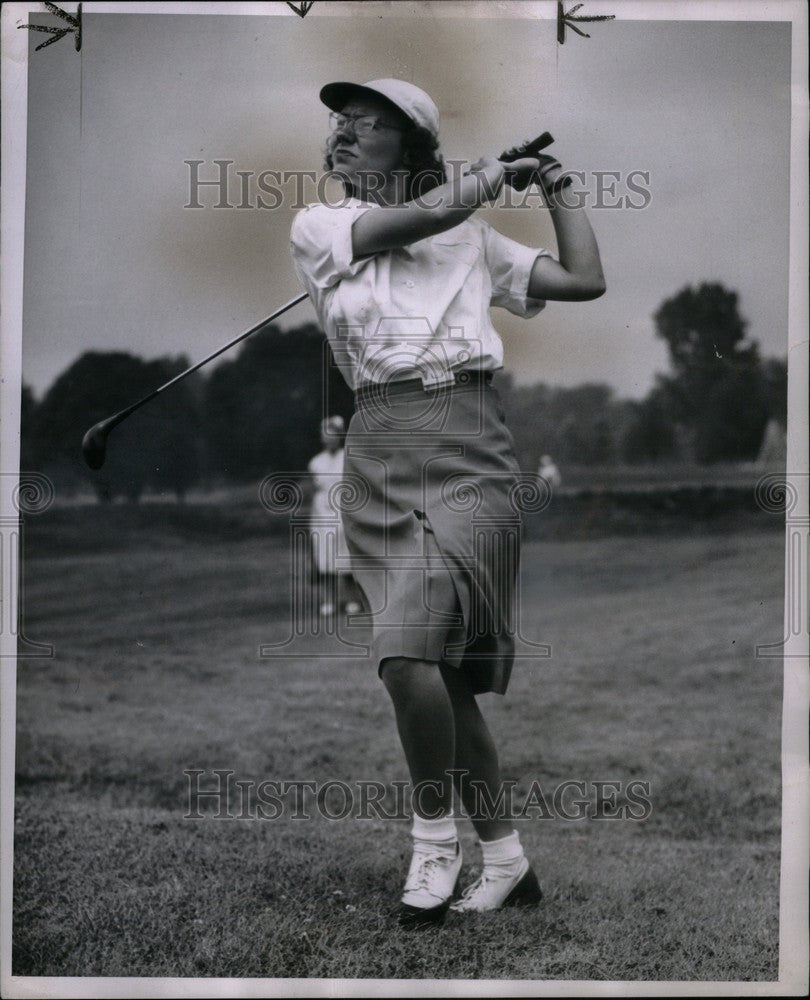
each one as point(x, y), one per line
point(507, 879)
point(426, 726)
point(425, 722)
point(441, 728)
point(475, 753)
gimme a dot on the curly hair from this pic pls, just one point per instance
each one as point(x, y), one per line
point(422, 164)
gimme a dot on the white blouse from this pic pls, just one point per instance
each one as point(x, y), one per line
point(421, 311)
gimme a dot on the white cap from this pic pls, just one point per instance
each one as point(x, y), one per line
point(415, 103)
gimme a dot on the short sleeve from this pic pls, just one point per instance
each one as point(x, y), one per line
point(321, 244)
point(510, 266)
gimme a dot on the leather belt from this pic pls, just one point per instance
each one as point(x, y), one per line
point(380, 391)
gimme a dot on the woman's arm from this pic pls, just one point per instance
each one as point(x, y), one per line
point(442, 208)
point(578, 276)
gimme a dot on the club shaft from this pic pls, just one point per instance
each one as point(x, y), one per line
point(114, 421)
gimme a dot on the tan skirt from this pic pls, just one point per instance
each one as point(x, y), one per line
point(432, 526)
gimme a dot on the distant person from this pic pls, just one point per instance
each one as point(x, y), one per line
point(773, 451)
point(549, 471)
point(326, 526)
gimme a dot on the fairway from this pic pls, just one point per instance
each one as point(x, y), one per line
point(156, 670)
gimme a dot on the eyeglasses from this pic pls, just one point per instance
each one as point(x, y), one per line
point(360, 124)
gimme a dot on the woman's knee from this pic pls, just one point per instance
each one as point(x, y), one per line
point(406, 677)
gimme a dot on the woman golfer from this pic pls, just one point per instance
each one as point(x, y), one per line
point(402, 274)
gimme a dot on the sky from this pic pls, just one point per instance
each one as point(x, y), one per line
point(114, 261)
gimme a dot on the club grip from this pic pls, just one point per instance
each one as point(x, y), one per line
point(527, 149)
point(533, 149)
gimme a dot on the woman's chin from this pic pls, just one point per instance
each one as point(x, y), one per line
point(347, 177)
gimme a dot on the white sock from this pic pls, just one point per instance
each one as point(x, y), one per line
point(503, 856)
point(436, 834)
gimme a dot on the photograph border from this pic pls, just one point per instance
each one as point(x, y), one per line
point(793, 967)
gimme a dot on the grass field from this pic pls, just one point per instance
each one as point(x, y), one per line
point(156, 631)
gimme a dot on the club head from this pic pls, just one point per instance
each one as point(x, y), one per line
point(94, 445)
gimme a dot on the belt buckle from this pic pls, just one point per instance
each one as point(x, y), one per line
point(446, 382)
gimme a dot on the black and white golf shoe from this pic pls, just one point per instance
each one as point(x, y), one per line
point(429, 886)
point(494, 891)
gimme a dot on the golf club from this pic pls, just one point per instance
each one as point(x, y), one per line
point(94, 442)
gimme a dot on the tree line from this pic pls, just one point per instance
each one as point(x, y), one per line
point(260, 411)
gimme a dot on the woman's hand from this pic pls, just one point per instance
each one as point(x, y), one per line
point(543, 170)
point(521, 173)
point(493, 171)
point(484, 164)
